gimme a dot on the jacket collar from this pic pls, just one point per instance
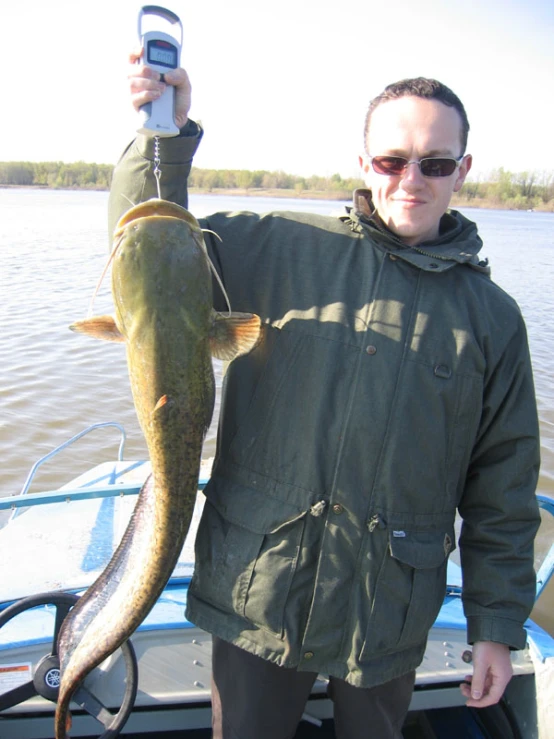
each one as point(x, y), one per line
point(457, 243)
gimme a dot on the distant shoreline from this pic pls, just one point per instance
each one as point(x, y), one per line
point(456, 202)
point(331, 195)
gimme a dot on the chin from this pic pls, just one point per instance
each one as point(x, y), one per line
point(407, 231)
point(413, 232)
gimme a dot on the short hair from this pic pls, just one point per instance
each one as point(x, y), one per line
point(420, 87)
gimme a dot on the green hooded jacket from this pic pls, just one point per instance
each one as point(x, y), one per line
point(392, 388)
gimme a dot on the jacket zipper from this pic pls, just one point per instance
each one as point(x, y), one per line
point(375, 522)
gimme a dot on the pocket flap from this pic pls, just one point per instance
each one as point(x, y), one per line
point(421, 549)
point(252, 510)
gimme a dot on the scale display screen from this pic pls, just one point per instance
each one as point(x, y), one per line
point(162, 53)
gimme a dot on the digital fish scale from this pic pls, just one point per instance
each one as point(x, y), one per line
point(161, 52)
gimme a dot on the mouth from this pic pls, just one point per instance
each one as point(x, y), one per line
point(410, 202)
point(153, 208)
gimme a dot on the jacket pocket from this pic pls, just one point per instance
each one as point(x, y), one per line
point(246, 553)
point(445, 432)
point(304, 388)
point(409, 591)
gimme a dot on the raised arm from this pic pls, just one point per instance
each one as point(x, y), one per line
point(133, 179)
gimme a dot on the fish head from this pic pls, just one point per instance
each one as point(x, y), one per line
point(161, 287)
point(160, 267)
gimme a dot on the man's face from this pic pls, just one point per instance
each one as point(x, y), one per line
point(410, 204)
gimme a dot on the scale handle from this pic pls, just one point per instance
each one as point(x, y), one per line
point(157, 118)
point(168, 15)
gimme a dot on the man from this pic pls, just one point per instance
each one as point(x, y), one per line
point(392, 387)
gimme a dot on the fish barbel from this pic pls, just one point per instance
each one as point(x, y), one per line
point(162, 292)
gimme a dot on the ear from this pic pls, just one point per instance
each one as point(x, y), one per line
point(365, 166)
point(463, 170)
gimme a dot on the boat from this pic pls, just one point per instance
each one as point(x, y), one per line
point(54, 544)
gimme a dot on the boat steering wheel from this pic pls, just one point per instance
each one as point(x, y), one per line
point(46, 679)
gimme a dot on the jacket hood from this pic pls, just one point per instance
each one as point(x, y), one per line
point(458, 241)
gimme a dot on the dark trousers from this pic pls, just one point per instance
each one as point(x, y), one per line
point(255, 699)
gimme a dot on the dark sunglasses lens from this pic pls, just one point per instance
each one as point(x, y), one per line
point(437, 167)
point(389, 165)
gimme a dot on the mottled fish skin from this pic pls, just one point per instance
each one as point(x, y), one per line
point(162, 291)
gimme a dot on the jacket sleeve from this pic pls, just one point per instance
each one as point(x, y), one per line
point(499, 508)
point(133, 179)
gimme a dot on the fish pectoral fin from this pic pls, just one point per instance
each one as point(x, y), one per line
point(99, 327)
point(165, 406)
point(162, 402)
point(234, 334)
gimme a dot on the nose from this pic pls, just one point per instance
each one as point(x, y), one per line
point(412, 174)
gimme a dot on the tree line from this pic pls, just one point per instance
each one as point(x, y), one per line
point(501, 188)
point(58, 175)
point(81, 175)
point(236, 179)
point(529, 190)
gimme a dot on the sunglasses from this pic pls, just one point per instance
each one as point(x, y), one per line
point(428, 166)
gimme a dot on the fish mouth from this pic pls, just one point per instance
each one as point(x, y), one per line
point(155, 208)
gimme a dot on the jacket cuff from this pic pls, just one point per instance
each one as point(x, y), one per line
point(501, 630)
point(173, 149)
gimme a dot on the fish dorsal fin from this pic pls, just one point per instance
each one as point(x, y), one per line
point(99, 327)
point(233, 335)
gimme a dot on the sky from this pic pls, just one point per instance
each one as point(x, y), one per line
point(279, 85)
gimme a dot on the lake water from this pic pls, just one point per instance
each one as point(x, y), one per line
point(53, 383)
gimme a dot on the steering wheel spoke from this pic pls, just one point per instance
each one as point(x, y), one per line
point(47, 673)
point(90, 703)
point(17, 695)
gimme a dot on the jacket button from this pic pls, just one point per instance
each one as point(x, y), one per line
point(308, 655)
point(442, 370)
point(338, 509)
point(371, 349)
point(393, 257)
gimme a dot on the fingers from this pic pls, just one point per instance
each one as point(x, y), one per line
point(136, 55)
point(180, 79)
point(492, 672)
point(146, 85)
point(482, 693)
point(144, 82)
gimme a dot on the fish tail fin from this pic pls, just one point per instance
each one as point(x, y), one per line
point(234, 335)
point(99, 327)
point(63, 719)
